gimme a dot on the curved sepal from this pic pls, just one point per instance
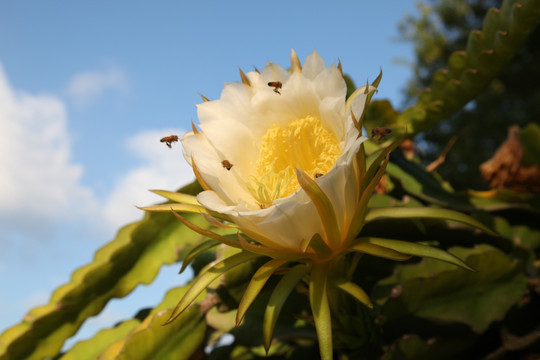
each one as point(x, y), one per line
point(354, 290)
point(177, 197)
point(208, 233)
point(324, 208)
point(196, 209)
point(280, 294)
point(196, 251)
point(416, 249)
point(426, 213)
point(285, 254)
point(255, 286)
point(380, 251)
point(206, 278)
point(318, 297)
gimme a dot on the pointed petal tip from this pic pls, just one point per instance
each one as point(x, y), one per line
point(244, 78)
point(296, 66)
point(194, 128)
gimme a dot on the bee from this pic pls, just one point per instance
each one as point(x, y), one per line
point(169, 139)
point(227, 165)
point(380, 133)
point(276, 85)
point(318, 175)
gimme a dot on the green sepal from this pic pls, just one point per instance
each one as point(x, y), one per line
point(426, 213)
point(205, 278)
point(377, 80)
point(318, 297)
point(320, 247)
point(380, 251)
point(177, 197)
point(255, 286)
point(196, 251)
point(372, 170)
point(196, 209)
point(354, 290)
point(416, 249)
point(276, 301)
point(360, 211)
point(324, 207)
point(208, 233)
point(285, 254)
point(359, 166)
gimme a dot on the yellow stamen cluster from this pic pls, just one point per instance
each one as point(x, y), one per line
point(304, 144)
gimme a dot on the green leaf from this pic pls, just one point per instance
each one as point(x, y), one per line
point(426, 213)
point(430, 188)
point(92, 348)
point(488, 51)
point(178, 340)
point(280, 294)
point(147, 339)
point(133, 258)
point(255, 286)
point(416, 249)
point(442, 293)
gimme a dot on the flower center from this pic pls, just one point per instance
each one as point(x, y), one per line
point(304, 144)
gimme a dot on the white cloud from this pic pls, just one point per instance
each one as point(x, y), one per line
point(39, 183)
point(42, 196)
point(161, 168)
point(85, 87)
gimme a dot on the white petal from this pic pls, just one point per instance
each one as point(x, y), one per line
point(332, 114)
point(270, 73)
point(357, 101)
point(313, 65)
point(329, 82)
point(211, 200)
point(234, 143)
point(301, 97)
point(341, 186)
point(287, 223)
point(227, 184)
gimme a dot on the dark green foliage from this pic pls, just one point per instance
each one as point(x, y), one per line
point(510, 89)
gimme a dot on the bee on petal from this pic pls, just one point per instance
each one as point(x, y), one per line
point(380, 133)
point(227, 165)
point(168, 140)
point(276, 85)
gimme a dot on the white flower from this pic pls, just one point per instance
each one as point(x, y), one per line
point(256, 136)
point(281, 155)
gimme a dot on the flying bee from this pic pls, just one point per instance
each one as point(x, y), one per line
point(380, 133)
point(169, 139)
point(276, 85)
point(227, 165)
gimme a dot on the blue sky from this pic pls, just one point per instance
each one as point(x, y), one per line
point(87, 89)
